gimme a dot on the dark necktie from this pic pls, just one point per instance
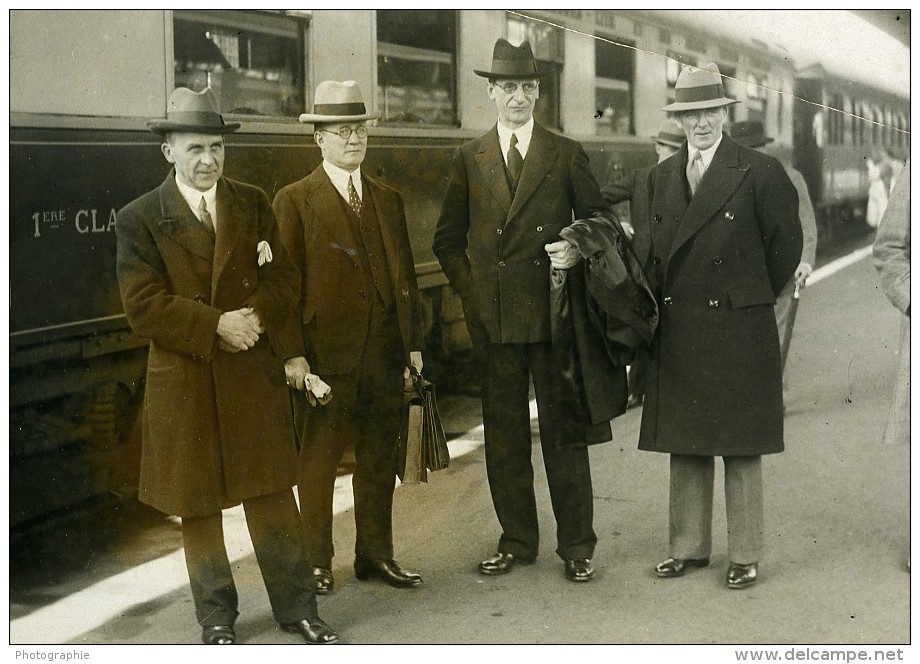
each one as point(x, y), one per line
point(515, 160)
point(353, 201)
point(695, 172)
point(205, 216)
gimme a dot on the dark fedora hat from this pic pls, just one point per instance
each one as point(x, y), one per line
point(511, 62)
point(699, 88)
point(196, 112)
point(670, 133)
point(749, 133)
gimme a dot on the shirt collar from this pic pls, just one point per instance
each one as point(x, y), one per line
point(193, 197)
point(339, 177)
point(706, 154)
point(523, 133)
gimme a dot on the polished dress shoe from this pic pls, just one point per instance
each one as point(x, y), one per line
point(741, 576)
point(579, 569)
point(678, 566)
point(322, 580)
point(501, 563)
point(313, 630)
point(218, 635)
point(388, 570)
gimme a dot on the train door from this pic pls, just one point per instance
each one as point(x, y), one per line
point(808, 128)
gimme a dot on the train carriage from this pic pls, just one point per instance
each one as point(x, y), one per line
point(84, 83)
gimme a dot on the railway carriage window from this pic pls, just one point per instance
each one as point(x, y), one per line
point(836, 120)
point(548, 50)
point(416, 66)
point(614, 67)
point(254, 61)
point(847, 121)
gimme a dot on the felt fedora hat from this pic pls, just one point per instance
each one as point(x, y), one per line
point(749, 133)
point(190, 111)
point(338, 101)
point(670, 133)
point(698, 88)
point(511, 62)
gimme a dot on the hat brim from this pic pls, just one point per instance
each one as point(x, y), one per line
point(314, 118)
point(759, 143)
point(507, 76)
point(664, 141)
point(699, 105)
point(165, 127)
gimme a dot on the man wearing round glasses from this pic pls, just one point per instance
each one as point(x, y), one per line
point(510, 194)
point(360, 323)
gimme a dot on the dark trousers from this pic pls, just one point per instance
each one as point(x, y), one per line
point(638, 371)
point(506, 373)
point(364, 411)
point(276, 538)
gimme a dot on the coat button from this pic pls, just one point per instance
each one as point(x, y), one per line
point(539, 229)
point(656, 218)
point(247, 283)
point(362, 295)
point(668, 300)
point(501, 263)
point(199, 299)
point(498, 230)
point(656, 260)
point(714, 304)
point(536, 262)
point(717, 260)
point(729, 216)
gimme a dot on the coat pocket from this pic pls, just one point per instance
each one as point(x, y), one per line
point(750, 296)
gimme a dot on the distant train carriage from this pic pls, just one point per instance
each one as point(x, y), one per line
point(84, 83)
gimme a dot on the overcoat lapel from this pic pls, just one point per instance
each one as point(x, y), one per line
point(492, 168)
point(722, 178)
point(540, 157)
point(180, 223)
point(231, 220)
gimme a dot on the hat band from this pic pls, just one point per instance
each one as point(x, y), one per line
point(514, 68)
point(354, 108)
point(699, 93)
point(674, 138)
point(195, 118)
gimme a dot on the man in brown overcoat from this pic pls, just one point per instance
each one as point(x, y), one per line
point(725, 239)
point(203, 275)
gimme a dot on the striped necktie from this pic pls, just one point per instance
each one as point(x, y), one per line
point(205, 216)
point(353, 201)
point(695, 172)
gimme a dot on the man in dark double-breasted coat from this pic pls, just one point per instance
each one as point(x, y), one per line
point(509, 195)
point(725, 239)
point(203, 275)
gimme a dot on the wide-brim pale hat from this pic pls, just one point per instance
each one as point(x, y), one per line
point(511, 62)
point(749, 133)
point(670, 133)
point(190, 111)
point(698, 88)
point(338, 101)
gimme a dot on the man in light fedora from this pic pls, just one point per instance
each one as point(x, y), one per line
point(359, 317)
point(725, 239)
point(750, 134)
point(203, 275)
point(634, 189)
point(509, 195)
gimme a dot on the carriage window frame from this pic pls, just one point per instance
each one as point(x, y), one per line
point(611, 63)
point(263, 91)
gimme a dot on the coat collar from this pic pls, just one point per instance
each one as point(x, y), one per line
point(180, 223)
point(492, 167)
point(233, 220)
point(722, 178)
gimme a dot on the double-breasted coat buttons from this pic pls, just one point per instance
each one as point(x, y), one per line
point(668, 300)
point(717, 260)
point(656, 218)
point(729, 216)
point(714, 304)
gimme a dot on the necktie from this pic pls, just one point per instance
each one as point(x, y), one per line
point(205, 216)
point(695, 172)
point(515, 160)
point(353, 201)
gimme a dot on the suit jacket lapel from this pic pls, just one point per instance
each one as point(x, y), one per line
point(722, 178)
point(180, 223)
point(327, 203)
point(232, 218)
point(540, 157)
point(492, 168)
point(388, 229)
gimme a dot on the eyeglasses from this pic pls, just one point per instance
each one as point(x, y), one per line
point(345, 132)
point(510, 87)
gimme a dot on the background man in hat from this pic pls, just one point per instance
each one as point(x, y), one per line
point(725, 239)
point(360, 322)
point(509, 195)
point(634, 190)
point(203, 276)
point(750, 134)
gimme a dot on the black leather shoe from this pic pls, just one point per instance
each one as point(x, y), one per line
point(579, 569)
point(323, 581)
point(218, 635)
point(741, 576)
point(501, 563)
point(388, 570)
point(678, 566)
point(313, 630)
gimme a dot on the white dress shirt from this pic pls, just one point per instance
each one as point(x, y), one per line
point(193, 197)
point(339, 177)
point(523, 134)
point(706, 154)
